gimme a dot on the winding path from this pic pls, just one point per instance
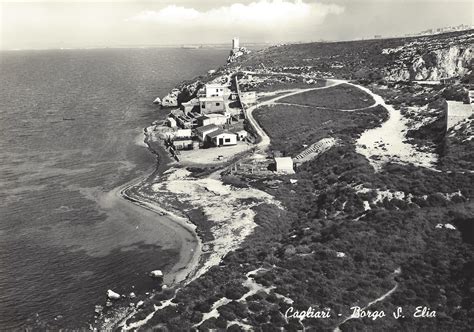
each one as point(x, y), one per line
point(379, 299)
point(379, 145)
point(265, 140)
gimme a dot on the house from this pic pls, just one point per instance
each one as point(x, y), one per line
point(217, 119)
point(222, 138)
point(216, 90)
point(183, 144)
point(241, 135)
point(171, 122)
point(212, 104)
point(202, 132)
point(284, 165)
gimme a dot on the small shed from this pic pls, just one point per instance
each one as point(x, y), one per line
point(183, 144)
point(241, 135)
point(284, 165)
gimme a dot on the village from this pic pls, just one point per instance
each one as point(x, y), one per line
point(214, 126)
point(210, 128)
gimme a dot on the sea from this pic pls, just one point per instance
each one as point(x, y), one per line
point(71, 132)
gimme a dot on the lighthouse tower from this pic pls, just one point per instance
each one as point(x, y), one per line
point(235, 43)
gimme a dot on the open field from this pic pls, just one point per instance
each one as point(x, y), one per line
point(342, 97)
point(291, 126)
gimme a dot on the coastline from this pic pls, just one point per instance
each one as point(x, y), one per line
point(190, 257)
point(190, 251)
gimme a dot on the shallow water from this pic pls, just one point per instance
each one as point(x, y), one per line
point(70, 125)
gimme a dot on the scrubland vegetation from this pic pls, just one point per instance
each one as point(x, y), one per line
point(327, 250)
point(347, 235)
point(291, 126)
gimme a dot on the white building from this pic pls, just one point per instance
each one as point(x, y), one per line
point(241, 135)
point(212, 104)
point(216, 119)
point(182, 133)
point(202, 132)
point(216, 90)
point(183, 144)
point(222, 138)
point(284, 165)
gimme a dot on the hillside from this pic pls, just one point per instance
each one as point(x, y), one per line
point(381, 217)
point(420, 58)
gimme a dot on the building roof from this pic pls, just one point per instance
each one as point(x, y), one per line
point(243, 131)
point(215, 115)
point(216, 85)
point(284, 162)
point(220, 132)
point(212, 115)
point(207, 128)
point(201, 99)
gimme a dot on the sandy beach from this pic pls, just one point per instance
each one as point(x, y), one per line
point(190, 250)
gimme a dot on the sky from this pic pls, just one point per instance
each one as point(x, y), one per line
point(37, 24)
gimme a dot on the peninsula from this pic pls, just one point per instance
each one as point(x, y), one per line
point(322, 175)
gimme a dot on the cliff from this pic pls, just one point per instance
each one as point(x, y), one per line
point(431, 60)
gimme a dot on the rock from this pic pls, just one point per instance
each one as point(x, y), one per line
point(171, 99)
point(140, 304)
point(132, 295)
point(237, 53)
point(340, 254)
point(98, 309)
point(449, 226)
point(108, 304)
point(156, 274)
point(112, 295)
point(157, 101)
point(434, 64)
